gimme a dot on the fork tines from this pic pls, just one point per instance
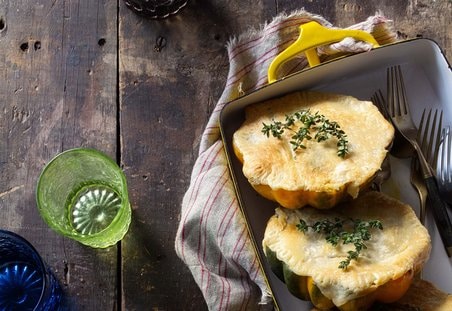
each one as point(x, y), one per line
point(429, 136)
point(401, 117)
point(446, 154)
point(397, 99)
point(444, 169)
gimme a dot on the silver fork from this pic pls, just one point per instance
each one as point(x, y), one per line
point(403, 149)
point(429, 136)
point(400, 148)
point(400, 114)
point(418, 183)
point(444, 169)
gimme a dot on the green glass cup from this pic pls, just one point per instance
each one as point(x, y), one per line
point(82, 194)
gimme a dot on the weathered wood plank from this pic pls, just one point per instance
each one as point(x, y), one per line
point(166, 97)
point(57, 91)
point(58, 86)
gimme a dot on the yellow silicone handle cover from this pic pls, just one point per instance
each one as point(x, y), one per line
point(312, 35)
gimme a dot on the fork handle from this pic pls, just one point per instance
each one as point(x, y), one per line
point(440, 214)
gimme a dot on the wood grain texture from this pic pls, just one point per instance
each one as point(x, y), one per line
point(57, 91)
point(63, 64)
point(166, 97)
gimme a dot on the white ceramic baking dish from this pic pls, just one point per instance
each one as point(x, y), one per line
point(428, 80)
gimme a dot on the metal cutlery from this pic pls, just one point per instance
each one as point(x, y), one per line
point(385, 172)
point(429, 135)
point(400, 114)
point(444, 169)
point(417, 182)
point(400, 148)
point(382, 175)
point(403, 149)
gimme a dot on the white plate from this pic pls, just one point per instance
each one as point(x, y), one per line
point(428, 81)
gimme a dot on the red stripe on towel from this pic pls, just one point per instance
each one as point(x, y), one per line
point(203, 221)
point(266, 55)
point(291, 22)
point(199, 179)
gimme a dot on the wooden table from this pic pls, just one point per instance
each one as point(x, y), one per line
point(88, 73)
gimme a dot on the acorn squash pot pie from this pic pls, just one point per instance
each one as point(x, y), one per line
point(383, 272)
point(330, 242)
point(313, 174)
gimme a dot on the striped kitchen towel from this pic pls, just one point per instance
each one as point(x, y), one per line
point(212, 238)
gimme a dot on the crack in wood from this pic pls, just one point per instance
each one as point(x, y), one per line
point(66, 275)
point(11, 190)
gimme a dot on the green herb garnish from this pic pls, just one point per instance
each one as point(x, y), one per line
point(335, 233)
point(324, 129)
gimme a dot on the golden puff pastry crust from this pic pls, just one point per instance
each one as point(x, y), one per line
point(316, 175)
point(402, 246)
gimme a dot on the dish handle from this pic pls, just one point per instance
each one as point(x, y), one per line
point(312, 35)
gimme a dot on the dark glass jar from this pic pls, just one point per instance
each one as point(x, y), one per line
point(26, 282)
point(155, 8)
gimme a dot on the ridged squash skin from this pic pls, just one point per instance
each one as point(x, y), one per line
point(297, 285)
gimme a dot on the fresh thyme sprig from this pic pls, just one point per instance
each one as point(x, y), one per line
point(334, 231)
point(324, 129)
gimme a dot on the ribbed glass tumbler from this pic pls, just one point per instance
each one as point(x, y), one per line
point(82, 194)
point(26, 283)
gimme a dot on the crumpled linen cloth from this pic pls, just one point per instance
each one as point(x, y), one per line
point(212, 237)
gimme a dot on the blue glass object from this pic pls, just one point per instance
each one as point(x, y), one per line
point(25, 281)
point(155, 9)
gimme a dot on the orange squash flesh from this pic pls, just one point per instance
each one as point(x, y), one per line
point(317, 298)
point(395, 289)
